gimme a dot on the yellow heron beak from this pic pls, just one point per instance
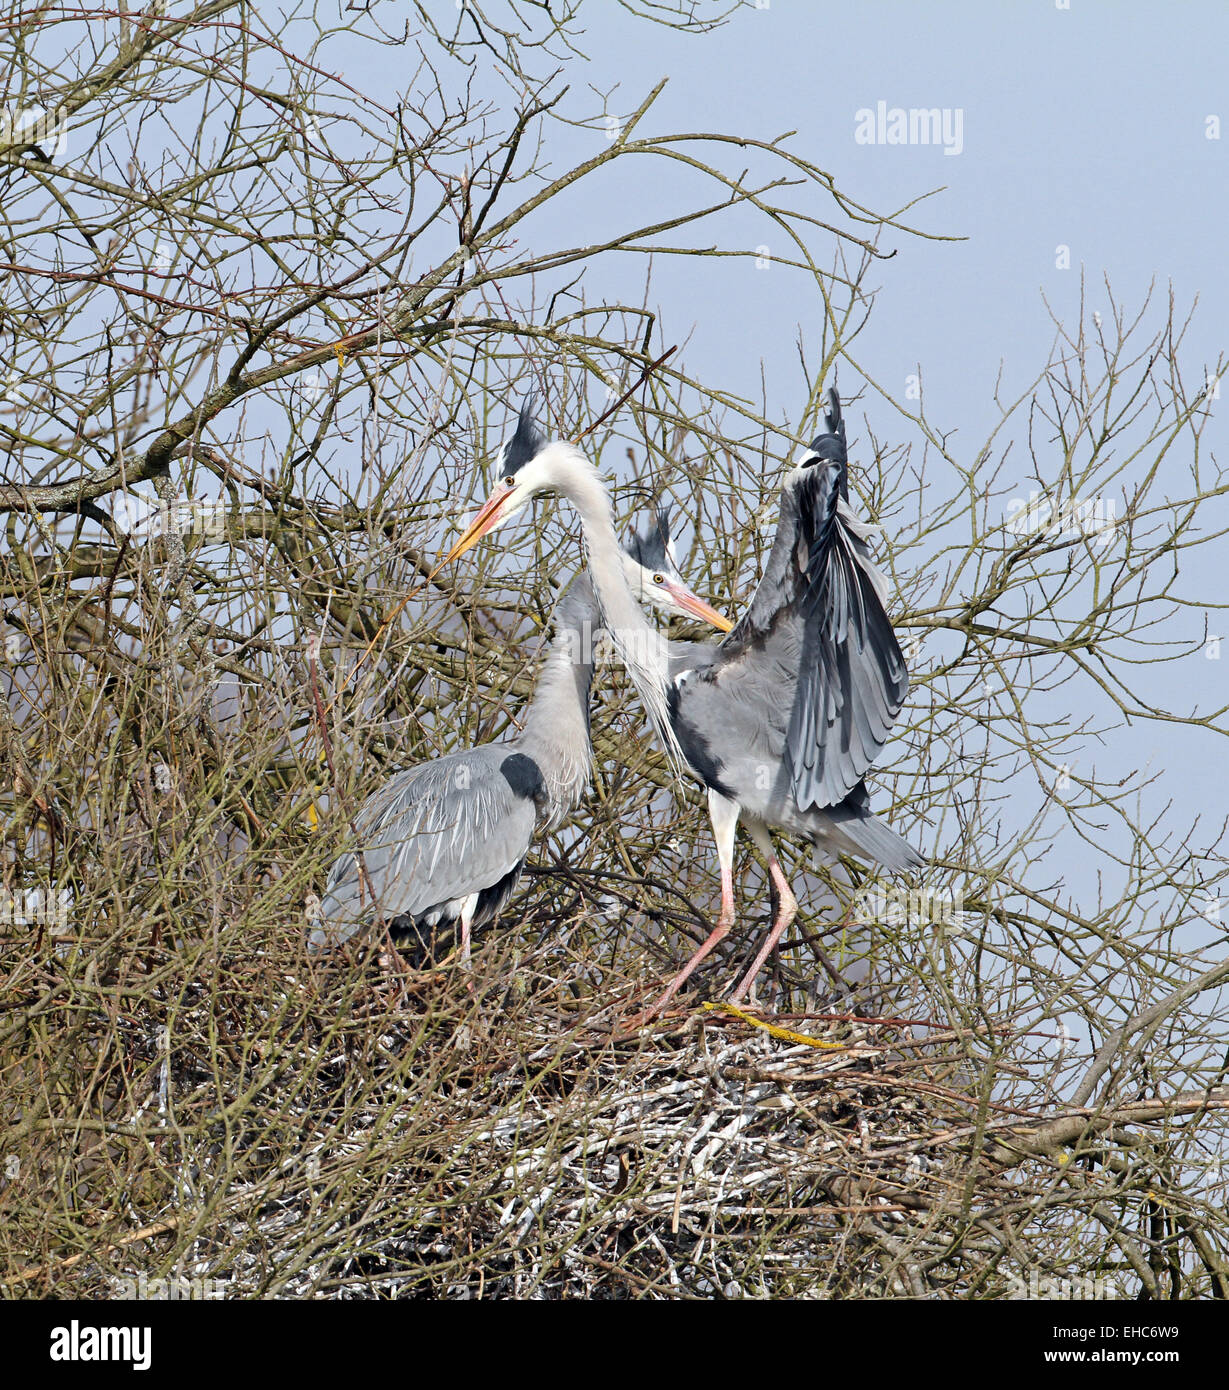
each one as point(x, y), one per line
point(696, 606)
point(489, 516)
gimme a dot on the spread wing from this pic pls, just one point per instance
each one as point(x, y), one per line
point(435, 833)
point(817, 620)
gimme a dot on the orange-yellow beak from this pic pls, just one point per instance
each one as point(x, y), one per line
point(490, 514)
point(696, 606)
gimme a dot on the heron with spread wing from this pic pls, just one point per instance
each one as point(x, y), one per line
point(783, 718)
point(443, 843)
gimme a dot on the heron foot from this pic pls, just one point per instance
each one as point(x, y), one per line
point(787, 911)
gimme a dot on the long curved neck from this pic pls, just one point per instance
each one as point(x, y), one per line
point(641, 647)
point(555, 726)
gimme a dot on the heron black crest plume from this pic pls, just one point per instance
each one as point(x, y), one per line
point(650, 547)
point(526, 441)
point(830, 447)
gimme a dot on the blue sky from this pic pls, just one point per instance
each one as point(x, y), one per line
point(1082, 127)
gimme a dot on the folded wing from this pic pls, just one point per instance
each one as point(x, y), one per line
point(436, 833)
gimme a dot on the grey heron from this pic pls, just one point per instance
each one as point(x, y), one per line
point(783, 718)
point(443, 843)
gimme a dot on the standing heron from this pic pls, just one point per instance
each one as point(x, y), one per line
point(784, 717)
point(444, 842)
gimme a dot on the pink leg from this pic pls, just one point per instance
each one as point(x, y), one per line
point(467, 917)
point(718, 934)
point(787, 910)
point(724, 817)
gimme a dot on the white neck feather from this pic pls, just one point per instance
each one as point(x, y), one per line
point(641, 646)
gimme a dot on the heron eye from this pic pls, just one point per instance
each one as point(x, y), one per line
point(509, 480)
point(659, 579)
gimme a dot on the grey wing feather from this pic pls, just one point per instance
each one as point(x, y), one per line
point(684, 657)
point(434, 833)
point(820, 602)
point(869, 836)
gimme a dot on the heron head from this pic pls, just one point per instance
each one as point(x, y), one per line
point(830, 447)
point(528, 464)
point(653, 576)
point(522, 474)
